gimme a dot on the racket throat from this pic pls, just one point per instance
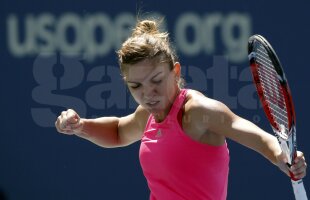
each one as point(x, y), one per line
point(284, 144)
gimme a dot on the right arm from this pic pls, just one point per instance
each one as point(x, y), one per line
point(107, 132)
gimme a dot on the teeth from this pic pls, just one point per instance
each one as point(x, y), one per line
point(152, 103)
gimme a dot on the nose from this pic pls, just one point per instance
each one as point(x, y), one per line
point(149, 92)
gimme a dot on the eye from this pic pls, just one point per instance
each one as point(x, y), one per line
point(134, 86)
point(157, 81)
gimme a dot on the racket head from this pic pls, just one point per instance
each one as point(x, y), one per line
point(272, 87)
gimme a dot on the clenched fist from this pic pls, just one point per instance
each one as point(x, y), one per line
point(298, 170)
point(69, 122)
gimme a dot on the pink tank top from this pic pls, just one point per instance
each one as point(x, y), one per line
point(179, 168)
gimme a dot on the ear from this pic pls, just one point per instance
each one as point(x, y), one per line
point(177, 69)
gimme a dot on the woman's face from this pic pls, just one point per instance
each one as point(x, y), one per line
point(153, 85)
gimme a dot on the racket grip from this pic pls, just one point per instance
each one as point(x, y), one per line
point(299, 190)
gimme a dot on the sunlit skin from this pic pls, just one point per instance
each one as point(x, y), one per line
point(153, 85)
point(150, 71)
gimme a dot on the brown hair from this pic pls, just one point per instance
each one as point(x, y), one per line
point(147, 42)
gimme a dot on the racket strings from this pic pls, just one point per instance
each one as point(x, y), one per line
point(271, 89)
point(269, 76)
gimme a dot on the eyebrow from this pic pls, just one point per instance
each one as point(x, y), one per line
point(151, 78)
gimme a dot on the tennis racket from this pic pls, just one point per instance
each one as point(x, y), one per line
point(275, 96)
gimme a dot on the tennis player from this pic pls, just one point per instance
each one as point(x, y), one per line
point(183, 133)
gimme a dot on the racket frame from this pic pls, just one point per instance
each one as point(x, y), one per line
point(286, 138)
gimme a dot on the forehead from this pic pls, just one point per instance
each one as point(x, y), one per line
point(144, 69)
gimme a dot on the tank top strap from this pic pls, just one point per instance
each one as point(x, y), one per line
point(178, 103)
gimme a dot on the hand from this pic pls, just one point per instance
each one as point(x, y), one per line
point(297, 170)
point(69, 122)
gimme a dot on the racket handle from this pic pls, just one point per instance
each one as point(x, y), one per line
point(299, 190)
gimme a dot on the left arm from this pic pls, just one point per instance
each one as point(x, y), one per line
point(226, 123)
point(250, 135)
point(223, 122)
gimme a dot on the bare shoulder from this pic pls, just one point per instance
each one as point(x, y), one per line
point(135, 122)
point(196, 101)
point(131, 127)
point(205, 112)
point(201, 117)
point(141, 116)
